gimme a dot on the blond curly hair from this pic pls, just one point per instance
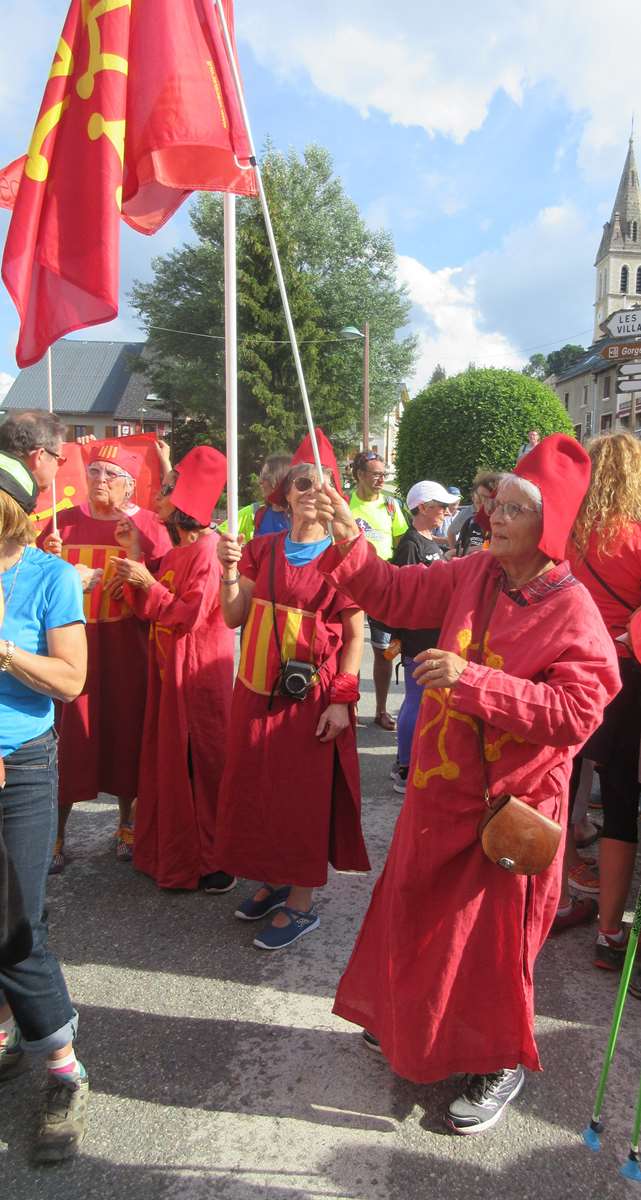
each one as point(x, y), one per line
point(613, 499)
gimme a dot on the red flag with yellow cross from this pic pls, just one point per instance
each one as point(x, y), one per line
point(139, 110)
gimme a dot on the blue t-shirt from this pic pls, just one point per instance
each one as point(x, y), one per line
point(47, 594)
point(299, 554)
point(272, 522)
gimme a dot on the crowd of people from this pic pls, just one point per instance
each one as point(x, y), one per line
point(509, 617)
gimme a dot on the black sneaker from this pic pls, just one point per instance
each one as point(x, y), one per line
point(64, 1119)
point(609, 955)
point(217, 882)
point(481, 1104)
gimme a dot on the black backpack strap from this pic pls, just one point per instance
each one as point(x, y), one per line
point(606, 587)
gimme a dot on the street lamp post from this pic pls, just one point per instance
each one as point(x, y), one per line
point(351, 333)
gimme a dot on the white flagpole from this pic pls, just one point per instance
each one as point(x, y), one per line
point(50, 396)
point(270, 235)
point(231, 361)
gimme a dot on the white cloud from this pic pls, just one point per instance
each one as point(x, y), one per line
point(424, 66)
point(5, 383)
point(504, 305)
point(449, 322)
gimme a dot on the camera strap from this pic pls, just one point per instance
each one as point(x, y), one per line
point(272, 596)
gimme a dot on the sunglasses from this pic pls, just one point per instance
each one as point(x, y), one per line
point(60, 458)
point(303, 483)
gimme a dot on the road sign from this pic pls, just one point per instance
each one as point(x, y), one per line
point(629, 385)
point(622, 351)
point(630, 368)
point(625, 323)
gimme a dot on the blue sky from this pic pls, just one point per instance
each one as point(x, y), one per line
point(488, 139)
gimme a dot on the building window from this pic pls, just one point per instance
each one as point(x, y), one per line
point(82, 431)
point(578, 429)
point(606, 386)
point(588, 424)
point(624, 280)
point(566, 400)
point(624, 421)
point(638, 281)
point(634, 231)
point(606, 423)
point(585, 395)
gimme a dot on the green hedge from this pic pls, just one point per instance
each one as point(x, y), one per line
point(479, 419)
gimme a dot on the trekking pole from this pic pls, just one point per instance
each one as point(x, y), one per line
point(591, 1135)
point(631, 1168)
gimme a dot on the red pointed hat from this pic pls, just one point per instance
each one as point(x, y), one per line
point(115, 454)
point(305, 454)
point(202, 475)
point(560, 468)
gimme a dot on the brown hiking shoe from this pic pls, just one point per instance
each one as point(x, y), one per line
point(64, 1119)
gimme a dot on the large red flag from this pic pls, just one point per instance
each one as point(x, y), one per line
point(139, 110)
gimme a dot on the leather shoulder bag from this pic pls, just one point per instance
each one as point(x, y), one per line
point(514, 835)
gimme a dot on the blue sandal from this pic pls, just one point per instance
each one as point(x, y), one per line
point(276, 938)
point(253, 910)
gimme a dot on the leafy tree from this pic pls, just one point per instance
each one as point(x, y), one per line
point(338, 273)
point(438, 374)
point(563, 359)
point(477, 419)
point(537, 367)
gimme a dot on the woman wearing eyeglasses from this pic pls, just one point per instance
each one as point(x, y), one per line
point(289, 801)
point(191, 670)
point(441, 976)
point(100, 733)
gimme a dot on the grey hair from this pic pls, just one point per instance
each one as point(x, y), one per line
point(530, 489)
point(22, 432)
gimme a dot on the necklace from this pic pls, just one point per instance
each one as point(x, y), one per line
point(4, 604)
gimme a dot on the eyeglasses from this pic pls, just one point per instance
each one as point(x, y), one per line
point(303, 483)
point(60, 458)
point(510, 511)
point(97, 471)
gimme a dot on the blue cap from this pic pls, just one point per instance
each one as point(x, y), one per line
point(454, 491)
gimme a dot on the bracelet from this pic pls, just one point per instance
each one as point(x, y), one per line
point(228, 582)
point(7, 657)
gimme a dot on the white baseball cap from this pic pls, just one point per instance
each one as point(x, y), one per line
point(427, 491)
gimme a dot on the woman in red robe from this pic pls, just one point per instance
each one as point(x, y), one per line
point(290, 796)
point(101, 732)
point(441, 974)
point(191, 666)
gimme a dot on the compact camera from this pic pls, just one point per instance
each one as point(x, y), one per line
point(296, 679)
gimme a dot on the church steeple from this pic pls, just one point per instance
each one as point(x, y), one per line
point(618, 260)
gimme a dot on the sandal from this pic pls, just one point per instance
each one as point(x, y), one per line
point(58, 860)
point(125, 843)
point(385, 721)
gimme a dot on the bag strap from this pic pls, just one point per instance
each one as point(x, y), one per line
point(480, 723)
point(606, 587)
point(272, 595)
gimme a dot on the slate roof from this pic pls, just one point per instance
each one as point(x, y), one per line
point(88, 377)
point(591, 361)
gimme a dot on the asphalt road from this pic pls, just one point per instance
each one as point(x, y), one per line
point(219, 1073)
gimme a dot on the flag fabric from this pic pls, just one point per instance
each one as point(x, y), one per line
point(71, 479)
point(139, 110)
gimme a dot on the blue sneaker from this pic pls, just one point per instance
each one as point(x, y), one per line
point(300, 923)
point(253, 910)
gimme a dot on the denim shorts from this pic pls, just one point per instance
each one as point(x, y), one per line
point(380, 635)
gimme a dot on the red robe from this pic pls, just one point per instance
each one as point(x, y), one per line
point(190, 679)
point(101, 731)
point(288, 802)
point(441, 972)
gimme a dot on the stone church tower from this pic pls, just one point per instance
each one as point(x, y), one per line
point(618, 260)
